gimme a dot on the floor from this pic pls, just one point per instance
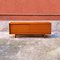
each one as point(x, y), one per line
point(5, 34)
point(29, 48)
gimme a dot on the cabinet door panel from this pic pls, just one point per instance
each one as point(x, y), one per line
point(19, 29)
point(40, 29)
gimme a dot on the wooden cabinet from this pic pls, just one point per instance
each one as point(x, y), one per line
point(30, 28)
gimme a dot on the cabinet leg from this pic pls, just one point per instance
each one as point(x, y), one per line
point(44, 36)
point(15, 35)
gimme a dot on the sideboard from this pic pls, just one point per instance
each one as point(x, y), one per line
point(30, 28)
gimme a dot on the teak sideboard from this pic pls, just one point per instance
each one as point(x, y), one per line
point(30, 28)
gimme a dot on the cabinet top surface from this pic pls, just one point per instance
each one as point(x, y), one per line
point(29, 23)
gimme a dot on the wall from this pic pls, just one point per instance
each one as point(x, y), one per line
point(4, 26)
point(30, 7)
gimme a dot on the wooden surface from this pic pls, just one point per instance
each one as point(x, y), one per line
point(30, 28)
